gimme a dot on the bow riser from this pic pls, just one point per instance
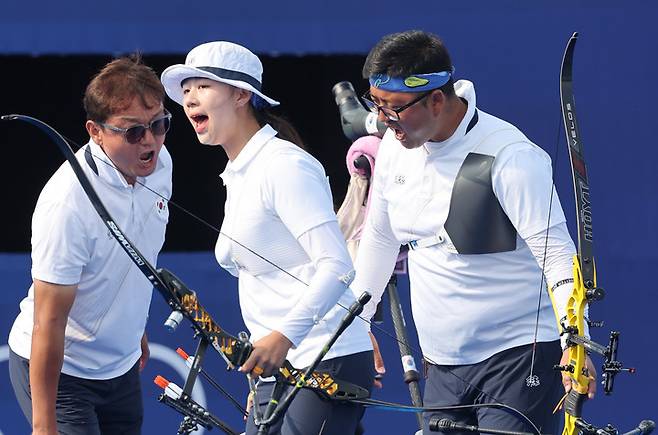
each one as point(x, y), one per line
point(574, 325)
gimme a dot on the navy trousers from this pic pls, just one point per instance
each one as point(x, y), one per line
point(86, 406)
point(500, 378)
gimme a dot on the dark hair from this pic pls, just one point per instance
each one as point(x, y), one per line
point(117, 84)
point(411, 52)
point(284, 128)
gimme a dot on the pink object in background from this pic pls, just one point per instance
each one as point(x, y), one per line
point(364, 146)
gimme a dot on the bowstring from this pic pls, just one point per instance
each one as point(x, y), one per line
point(532, 378)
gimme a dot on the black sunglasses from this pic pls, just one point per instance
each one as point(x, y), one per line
point(390, 113)
point(134, 134)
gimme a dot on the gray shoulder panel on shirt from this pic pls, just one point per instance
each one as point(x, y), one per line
point(476, 223)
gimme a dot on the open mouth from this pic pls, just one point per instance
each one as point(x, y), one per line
point(399, 134)
point(199, 122)
point(146, 157)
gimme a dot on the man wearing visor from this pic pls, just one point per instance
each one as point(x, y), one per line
point(78, 344)
point(473, 199)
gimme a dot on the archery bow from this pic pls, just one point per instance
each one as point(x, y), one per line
point(584, 285)
point(185, 304)
point(585, 288)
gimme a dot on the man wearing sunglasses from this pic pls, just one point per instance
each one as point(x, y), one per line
point(78, 344)
point(473, 199)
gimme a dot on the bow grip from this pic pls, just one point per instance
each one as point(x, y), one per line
point(242, 349)
point(573, 404)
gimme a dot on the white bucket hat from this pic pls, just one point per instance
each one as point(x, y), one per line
point(221, 61)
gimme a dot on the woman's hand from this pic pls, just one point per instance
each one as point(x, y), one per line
point(379, 362)
point(268, 355)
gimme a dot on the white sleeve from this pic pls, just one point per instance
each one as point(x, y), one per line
point(297, 190)
point(523, 182)
point(59, 244)
point(326, 248)
point(558, 266)
point(378, 248)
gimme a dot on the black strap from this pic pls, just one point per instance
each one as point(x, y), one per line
point(473, 121)
point(90, 160)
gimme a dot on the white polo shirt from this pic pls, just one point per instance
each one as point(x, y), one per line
point(467, 307)
point(279, 206)
point(71, 245)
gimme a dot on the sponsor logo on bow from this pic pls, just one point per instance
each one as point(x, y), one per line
point(586, 211)
point(125, 243)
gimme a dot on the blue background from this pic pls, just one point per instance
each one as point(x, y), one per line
point(512, 52)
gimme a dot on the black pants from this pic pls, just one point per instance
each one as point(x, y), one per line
point(309, 414)
point(501, 378)
point(85, 406)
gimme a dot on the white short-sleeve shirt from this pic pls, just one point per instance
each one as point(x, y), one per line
point(275, 193)
point(71, 245)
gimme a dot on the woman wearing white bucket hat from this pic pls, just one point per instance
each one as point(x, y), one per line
point(279, 236)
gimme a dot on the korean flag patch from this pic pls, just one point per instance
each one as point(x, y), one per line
point(161, 206)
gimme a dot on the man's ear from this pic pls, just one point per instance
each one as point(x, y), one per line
point(437, 101)
point(95, 132)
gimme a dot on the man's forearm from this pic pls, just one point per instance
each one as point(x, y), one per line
point(52, 304)
point(45, 366)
